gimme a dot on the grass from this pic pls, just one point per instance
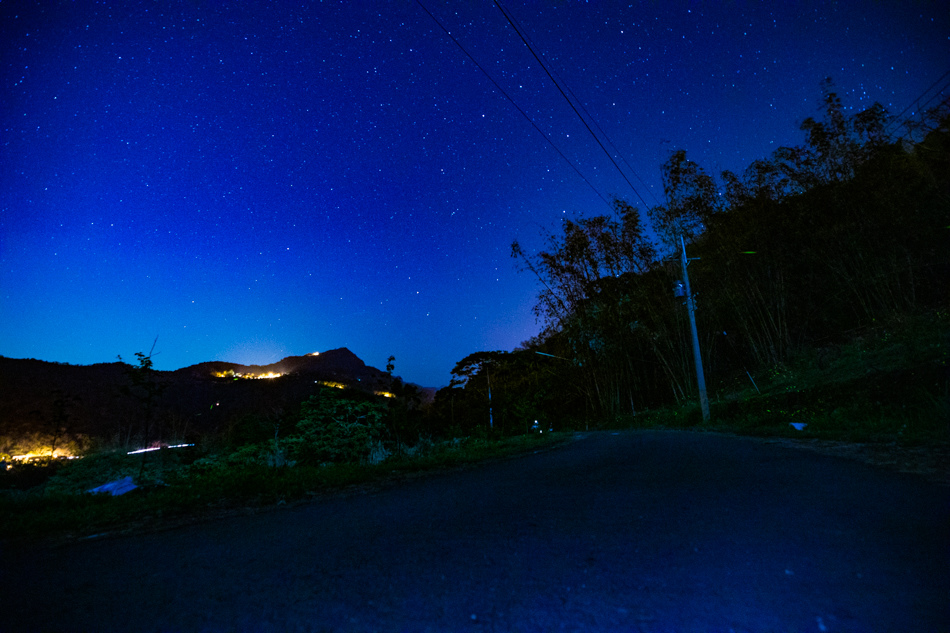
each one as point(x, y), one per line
point(58, 510)
point(890, 385)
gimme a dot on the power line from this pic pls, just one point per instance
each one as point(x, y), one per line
point(916, 101)
point(921, 96)
point(517, 107)
point(937, 95)
point(561, 89)
point(618, 152)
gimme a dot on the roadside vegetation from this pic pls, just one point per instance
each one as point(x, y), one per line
point(321, 455)
point(889, 385)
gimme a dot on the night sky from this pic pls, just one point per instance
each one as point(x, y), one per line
point(261, 180)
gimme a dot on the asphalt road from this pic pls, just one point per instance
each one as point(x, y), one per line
point(637, 531)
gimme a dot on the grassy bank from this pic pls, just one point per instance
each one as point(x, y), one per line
point(185, 488)
point(889, 384)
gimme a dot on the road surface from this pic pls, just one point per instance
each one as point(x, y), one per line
point(656, 531)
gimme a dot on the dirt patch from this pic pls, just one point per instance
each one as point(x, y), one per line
point(930, 462)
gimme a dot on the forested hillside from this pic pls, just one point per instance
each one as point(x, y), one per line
point(75, 407)
point(805, 250)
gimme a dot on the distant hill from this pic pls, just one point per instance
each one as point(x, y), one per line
point(40, 397)
point(337, 363)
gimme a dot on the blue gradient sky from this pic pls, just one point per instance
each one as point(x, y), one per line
point(256, 181)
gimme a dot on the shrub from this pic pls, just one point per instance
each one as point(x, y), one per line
point(422, 448)
point(335, 428)
point(377, 453)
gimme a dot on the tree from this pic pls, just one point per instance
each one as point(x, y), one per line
point(147, 389)
point(404, 414)
point(836, 145)
point(605, 296)
point(691, 200)
point(524, 386)
point(339, 427)
point(586, 252)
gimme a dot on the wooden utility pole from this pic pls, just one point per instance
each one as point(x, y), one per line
point(697, 358)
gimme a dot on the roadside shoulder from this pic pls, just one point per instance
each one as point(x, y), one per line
point(932, 462)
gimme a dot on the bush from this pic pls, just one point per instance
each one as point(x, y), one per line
point(422, 448)
point(377, 453)
point(335, 428)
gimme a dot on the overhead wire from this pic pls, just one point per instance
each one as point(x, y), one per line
point(936, 95)
point(922, 108)
point(512, 101)
point(916, 102)
point(564, 90)
point(618, 152)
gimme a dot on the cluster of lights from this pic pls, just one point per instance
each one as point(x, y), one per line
point(57, 454)
point(233, 374)
point(341, 385)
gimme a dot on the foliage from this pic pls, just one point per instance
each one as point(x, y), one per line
point(890, 385)
point(405, 417)
point(336, 427)
point(692, 200)
point(589, 251)
point(502, 394)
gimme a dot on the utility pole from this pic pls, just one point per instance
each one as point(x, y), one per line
point(491, 422)
point(700, 378)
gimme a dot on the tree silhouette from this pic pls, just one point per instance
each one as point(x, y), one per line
point(146, 388)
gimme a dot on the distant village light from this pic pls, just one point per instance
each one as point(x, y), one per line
point(233, 374)
point(59, 453)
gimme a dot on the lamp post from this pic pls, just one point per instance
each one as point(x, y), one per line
point(697, 358)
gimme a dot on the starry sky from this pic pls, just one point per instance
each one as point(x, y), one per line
point(248, 181)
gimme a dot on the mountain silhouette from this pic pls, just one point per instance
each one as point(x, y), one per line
point(340, 363)
point(40, 397)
